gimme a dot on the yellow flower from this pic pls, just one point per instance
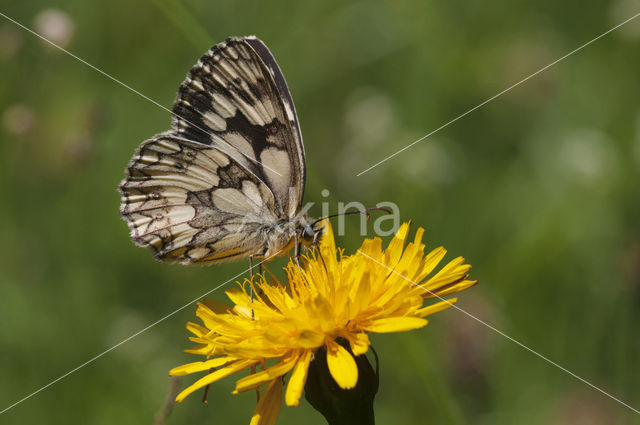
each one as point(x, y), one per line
point(334, 297)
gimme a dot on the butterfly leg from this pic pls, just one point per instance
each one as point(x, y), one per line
point(316, 245)
point(251, 274)
point(296, 251)
point(296, 254)
point(251, 285)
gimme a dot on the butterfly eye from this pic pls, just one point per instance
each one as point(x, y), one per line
point(308, 231)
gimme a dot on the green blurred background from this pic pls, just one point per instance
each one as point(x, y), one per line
point(537, 189)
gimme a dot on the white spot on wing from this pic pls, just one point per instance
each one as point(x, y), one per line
point(232, 52)
point(198, 252)
point(148, 157)
point(228, 70)
point(223, 106)
point(166, 146)
point(273, 74)
point(155, 220)
point(244, 52)
point(195, 83)
point(250, 112)
point(289, 111)
point(251, 191)
point(278, 160)
point(214, 121)
point(248, 73)
point(217, 157)
point(233, 201)
point(238, 141)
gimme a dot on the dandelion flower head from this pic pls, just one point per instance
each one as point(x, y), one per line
point(331, 298)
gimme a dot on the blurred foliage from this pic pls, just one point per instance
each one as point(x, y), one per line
point(537, 189)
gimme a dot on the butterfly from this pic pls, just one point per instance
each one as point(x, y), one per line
point(227, 180)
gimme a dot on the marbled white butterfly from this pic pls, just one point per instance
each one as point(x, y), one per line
point(226, 182)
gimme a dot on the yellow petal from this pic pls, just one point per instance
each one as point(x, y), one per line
point(209, 318)
point(214, 376)
point(238, 297)
point(257, 379)
point(452, 272)
point(328, 245)
point(197, 329)
point(216, 306)
point(430, 262)
point(456, 288)
point(359, 343)
point(188, 368)
point(203, 350)
point(298, 379)
point(362, 296)
point(434, 308)
point(395, 324)
point(372, 248)
point(268, 407)
point(394, 250)
point(342, 366)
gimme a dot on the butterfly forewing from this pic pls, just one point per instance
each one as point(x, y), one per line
point(236, 99)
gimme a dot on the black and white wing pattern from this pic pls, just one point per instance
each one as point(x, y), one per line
point(227, 180)
point(236, 99)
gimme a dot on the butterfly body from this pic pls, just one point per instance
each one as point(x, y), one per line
point(226, 182)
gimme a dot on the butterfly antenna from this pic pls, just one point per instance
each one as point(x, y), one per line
point(365, 211)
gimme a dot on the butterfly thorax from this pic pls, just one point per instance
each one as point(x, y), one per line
point(282, 236)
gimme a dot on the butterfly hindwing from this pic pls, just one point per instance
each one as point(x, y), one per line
point(236, 99)
point(191, 203)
